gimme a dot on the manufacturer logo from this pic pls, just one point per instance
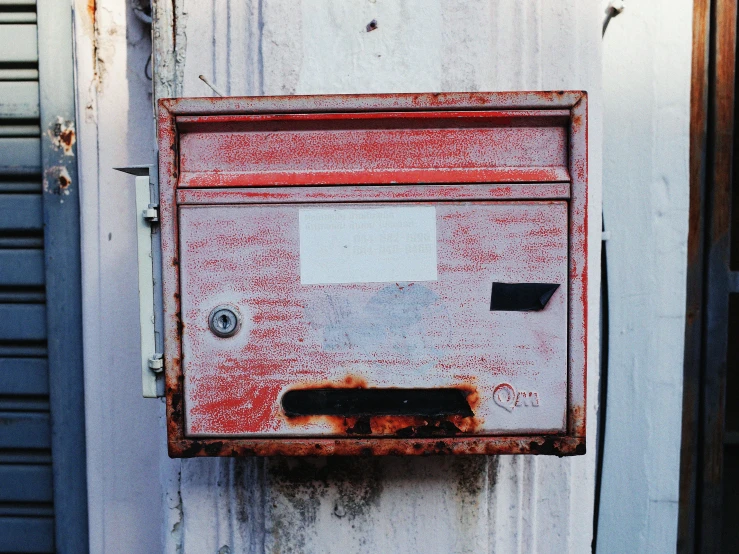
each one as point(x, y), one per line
point(505, 396)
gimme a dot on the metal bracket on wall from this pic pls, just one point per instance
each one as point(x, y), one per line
point(149, 257)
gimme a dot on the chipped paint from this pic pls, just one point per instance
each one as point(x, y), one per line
point(91, 9)
point(57, 180)
point(63, 136)
point(426, 334)
point(170, 34)
point(103, 31)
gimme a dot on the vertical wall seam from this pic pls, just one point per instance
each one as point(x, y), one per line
point(260, 51)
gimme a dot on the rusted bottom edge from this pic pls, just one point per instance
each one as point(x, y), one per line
point(537, 445)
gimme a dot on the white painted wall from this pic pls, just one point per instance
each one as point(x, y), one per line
point(125, 443)
point(509, 504)
point(646, 105)
point(140, 501)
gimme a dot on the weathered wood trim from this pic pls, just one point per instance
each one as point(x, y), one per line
point(711, 160)
point(63, 274)
point(716, 260)
point(694, 299)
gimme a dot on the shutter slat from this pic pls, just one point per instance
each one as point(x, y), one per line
point(18, 43)
point(24, 376)
point(25, 483)
point(21, 242)
point(14, 74)
point(20, 155)
point(17, 17)
point(19, 99)
point(20, 131)
point(23, 351)
point(19, 186)
point(24, 430)
point(24, 322)
point(21, 212)
point(21, 268)
point(27, 534)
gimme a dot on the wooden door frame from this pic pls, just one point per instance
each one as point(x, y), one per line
point(708, 275)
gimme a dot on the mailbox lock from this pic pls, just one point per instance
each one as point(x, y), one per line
point(224, 321)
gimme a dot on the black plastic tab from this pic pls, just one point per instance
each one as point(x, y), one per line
point(521, 297)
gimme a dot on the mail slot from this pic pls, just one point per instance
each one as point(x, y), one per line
point(373, 275)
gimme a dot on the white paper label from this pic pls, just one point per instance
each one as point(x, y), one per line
point(367, 245)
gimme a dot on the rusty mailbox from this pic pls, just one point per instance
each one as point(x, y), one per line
point(374, 274)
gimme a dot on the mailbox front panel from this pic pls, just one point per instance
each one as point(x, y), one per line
point(319, 312)
point(375, 274)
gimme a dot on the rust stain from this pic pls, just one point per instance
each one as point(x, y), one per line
point(400, 426)
point(549, 445)
point(57, 180)
point(91, 10)
point(577, 417)
point(102, 34)
point(62, 135)
point(385, 425)
point(88, 19)
point(64, 182)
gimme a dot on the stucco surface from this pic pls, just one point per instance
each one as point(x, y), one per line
point(646, 106)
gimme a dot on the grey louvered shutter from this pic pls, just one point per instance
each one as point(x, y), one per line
point(27, 465)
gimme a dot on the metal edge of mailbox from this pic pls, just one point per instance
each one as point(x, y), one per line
point(573, 443)
point(374, 102)
point(578, 300)
point(156, 259)
point(397, 193)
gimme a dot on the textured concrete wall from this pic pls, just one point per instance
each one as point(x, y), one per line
point(646, 100)
point(140, 501)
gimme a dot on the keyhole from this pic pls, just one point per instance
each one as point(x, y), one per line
point(224, 321)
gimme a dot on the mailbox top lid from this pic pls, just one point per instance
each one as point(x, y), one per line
point(519, 100)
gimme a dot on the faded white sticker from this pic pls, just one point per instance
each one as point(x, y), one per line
point(367, 245)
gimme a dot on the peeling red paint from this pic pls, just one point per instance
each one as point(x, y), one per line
point(253, 252)
point(515, 146)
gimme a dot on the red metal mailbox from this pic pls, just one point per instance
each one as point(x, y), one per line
point(387, 274)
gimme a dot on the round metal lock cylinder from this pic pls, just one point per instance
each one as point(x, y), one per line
point(224, 321)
